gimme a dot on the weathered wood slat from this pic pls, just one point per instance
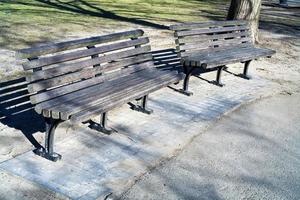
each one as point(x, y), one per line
point(132, 94)
point(67, 68)
point(95, 110)
point(208, 44)
point(46, 107)
point(41, 62)
point(227, 57)
point(46, 96)
point(104, 89)
point(185, 26)
point(93, 56)
point(203, 38)
point(62, 46)
point(246, 42)
point(205, 58)
point(88, 91)
point(212, 49)
point(240, 57)
point(86, 73)
point(128, 89)
point(198, 38)
point(120, 85)
point(201, 58)
point(212, 30)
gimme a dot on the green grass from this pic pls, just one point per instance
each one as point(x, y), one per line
point(25, 22)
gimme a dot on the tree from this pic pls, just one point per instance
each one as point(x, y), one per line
point(246, 10)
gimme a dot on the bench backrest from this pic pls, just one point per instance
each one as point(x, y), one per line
point(194, 38)
point(65, 67)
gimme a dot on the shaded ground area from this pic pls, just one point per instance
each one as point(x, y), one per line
point(25, 22)
point(279, 20)
point(24, 189)
point(28, 22)
point(253, 153)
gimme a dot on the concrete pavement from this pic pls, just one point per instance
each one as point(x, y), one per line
point(253, 153)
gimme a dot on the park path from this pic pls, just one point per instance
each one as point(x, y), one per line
point(252, 153)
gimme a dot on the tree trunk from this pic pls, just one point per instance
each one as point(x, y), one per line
point(247, 10)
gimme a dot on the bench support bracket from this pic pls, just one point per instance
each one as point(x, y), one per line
point(218, 78)
point(188, 73)
point(102, 126)
point(143, 107)
point(47, 151)
point(245, 72)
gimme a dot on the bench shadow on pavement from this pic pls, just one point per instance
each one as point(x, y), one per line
point(167, 59)
point(16, 110)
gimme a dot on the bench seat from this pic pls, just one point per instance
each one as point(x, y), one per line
point(81, 105)
point(227, 56)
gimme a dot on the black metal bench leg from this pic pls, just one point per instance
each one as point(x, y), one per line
point(102, 126)
point(47, 151)
point(143, 107)
point(188, 73)
point(245, 72)
point(218, 78)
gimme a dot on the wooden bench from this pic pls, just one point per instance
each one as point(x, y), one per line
point(213, 45)
point(80, 79)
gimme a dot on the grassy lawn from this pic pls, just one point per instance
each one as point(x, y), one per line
point(24, 22)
